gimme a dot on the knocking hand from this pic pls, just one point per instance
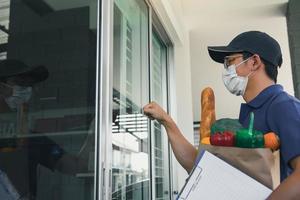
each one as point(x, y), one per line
point(154, 111)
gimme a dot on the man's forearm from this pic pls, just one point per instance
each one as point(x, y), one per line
point(184, 151)
point(289, 189)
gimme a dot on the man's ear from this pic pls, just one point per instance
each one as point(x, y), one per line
point(257, 62)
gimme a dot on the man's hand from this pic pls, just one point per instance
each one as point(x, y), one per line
point(295, 163)
point(289, 189)
point(184, 151)
point(154, 111)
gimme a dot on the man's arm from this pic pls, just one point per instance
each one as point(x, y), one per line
point(72, 164)
point(184, 151)
point(290, 188)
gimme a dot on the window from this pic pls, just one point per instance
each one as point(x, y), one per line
point(130, 167)
point(47, 85)
point(158, 74)
point(140, 162)
point(4, 22)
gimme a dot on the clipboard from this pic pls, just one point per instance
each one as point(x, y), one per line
point(213, 178)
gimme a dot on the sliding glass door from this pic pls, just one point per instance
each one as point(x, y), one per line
point(160, 146)
point(48, 55)
point(130, 132)
point(140, 150)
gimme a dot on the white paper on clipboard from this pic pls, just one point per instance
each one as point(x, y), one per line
point(213, 178)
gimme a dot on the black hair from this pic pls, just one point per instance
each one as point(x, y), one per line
point(270, 69)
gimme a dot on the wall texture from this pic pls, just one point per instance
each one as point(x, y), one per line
point(216, 23)
point(293, 18)
point(170, 15)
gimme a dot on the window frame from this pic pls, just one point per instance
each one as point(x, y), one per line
point(103, 162)
point(158, 29)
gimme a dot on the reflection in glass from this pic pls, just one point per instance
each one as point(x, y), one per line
point(4, 26)
point(47, 99)
point(130, 134)
point(158, 81)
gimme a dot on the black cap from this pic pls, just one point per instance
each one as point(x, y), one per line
point(254, 42)
point(13, 67)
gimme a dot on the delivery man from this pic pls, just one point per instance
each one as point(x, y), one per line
point(251, 61)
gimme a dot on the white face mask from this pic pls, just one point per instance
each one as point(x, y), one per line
point(234, 83)
point(20, 95)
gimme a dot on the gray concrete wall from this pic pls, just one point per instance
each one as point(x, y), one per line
point(293, 23)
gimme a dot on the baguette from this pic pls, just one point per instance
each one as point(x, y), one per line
point(208, 116)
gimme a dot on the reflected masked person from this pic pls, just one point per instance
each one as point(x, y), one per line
point(21, 153)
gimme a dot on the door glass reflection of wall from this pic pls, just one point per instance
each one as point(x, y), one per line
point(130, 134)
point(47, 99)
point(159, 93)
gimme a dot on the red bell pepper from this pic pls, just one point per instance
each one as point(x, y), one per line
point(222, 139)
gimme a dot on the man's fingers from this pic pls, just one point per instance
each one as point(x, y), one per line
point(149, 115)
point(145, 111)
point(149, 110)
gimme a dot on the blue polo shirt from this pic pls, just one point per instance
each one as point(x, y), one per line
point(275, 110)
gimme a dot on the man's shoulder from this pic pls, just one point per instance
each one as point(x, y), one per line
point(284, 102)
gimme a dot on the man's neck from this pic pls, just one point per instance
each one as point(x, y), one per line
point(253, 89)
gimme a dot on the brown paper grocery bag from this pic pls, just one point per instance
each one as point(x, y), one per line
point(259, 163)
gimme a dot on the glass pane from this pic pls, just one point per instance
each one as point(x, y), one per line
point(130, 161)
point(159, 95)
point(47, 99)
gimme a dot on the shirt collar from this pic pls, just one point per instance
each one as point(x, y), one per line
point(264, 95)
